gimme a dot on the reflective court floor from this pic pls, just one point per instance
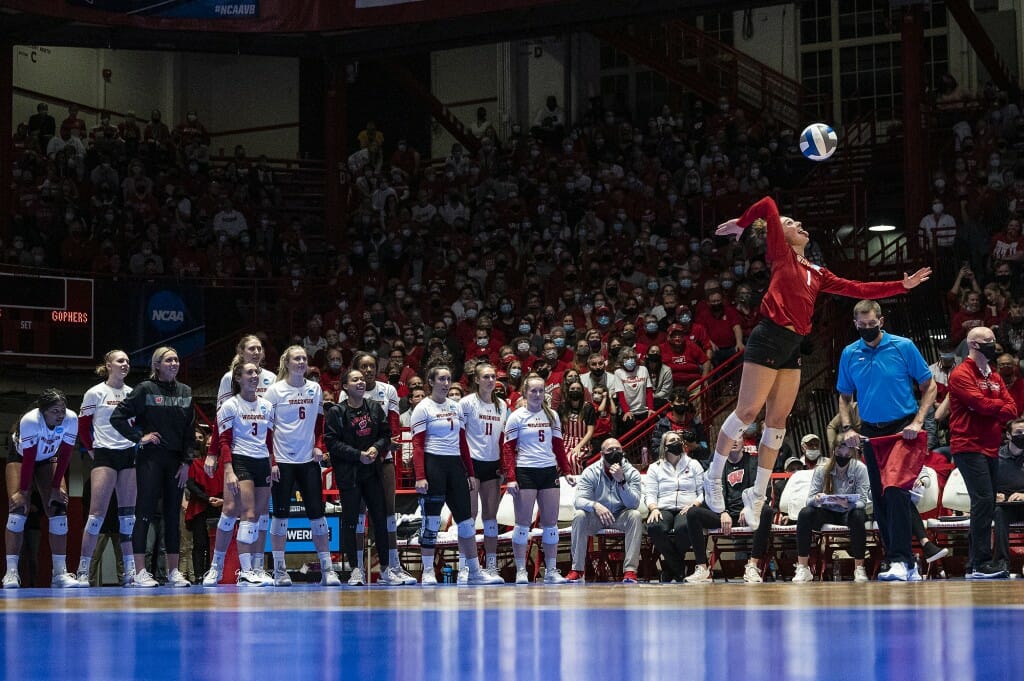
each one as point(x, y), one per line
point(936, 630)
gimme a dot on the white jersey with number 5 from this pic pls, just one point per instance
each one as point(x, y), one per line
point(484, 424)
point(33, 432)
point(441, 422)
point(248, 423)
point(533, 432)
point(295, 411)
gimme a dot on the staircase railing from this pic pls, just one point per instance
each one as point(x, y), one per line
point(980, 40)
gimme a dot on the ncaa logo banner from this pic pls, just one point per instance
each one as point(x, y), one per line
point(181, 9)
point(167, 315)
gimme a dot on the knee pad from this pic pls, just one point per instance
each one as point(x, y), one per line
point(264, 522)
point(126, 524)
point(59, 525)
point(734, 426)
point(428, 532)
point(226, 523)
point(772, 437)
point(361, 524)
point(432, 504)
point(490, 528)
point(433, 523)
point(550, 535)
point(93, 525)
point(467, 528)
point(392, 523)
point(279, 528)
point(520, 535)
point(248, 531)
point(319, 527)
point(16, 522)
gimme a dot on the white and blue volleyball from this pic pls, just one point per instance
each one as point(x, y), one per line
point(818, 141)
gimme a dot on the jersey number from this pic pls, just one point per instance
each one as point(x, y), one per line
point(255, 429)
point(451, 424)
point(488, 428)
point(540, 435)
point(302, 412)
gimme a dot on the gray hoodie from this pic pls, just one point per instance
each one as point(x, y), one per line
point(594, 485)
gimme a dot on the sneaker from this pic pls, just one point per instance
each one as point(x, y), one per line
point(629, 577)
point(803, 574)
point(212, 576)
point(428, 578)
point(329, 578)
point(913, 575)
point(12, 580)
point(933, 552)
point(389, 578)
point(701, 575)
point(752, 505)
point(553, 576)
point(463, 577)
point(263, 576)
point(356, 578)
point(144, 580)
point(248, 578)
point(713, 497)
point(574, 577)
point(493, 571)
point(128, 578)
point(64, 580)
point(281, 577)
point(860, 574)
point(401, 576)
point(751, 574)
point(176, 579)
point(989, 570)
point(522, 577)
point(481, 577)
point(83, 578)
point(897, 572)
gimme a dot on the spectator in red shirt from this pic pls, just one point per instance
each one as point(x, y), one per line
point(1008, 244)
point(687, 361)
point(969, 316)
point(746, 309)
point(1009, 369)
point(723, 325)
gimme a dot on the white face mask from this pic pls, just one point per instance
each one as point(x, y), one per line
point(812, 454)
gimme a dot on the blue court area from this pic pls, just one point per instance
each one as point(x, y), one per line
point(452, 633)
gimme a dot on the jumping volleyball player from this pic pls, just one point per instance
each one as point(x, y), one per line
point(771, 361)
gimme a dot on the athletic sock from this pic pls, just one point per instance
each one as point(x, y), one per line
point(60, 564)
point(12, 563)
point(359, 559)
point(764, 475)
point(245, 562)
point(83, 563)
point(218, 559)
point(279, 560)
point(393, 558)
point(325, 561)
point(492, 561)
point(129, 563)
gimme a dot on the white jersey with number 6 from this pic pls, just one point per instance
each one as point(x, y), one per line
point(295, 411)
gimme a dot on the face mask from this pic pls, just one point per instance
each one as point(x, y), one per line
point(629, 337)
point(543, 371)
point(629, 364)
point(988, 350)
point(685, 283)
point(559, 342)
point(524, 328)
point(550, 355)
point(515, 373)
point(335, 366)
point(812, 454)
point(680, 409)
point(595, 344)
point(654, 360)
point(569, 328)
point(841, 461)
point(612, 458)
point(603, 320)
point(727, 284)
point(869, 334)
point(716, 307)
point(597, 373)
point(651, 328)
point(483, 342)
point(685, 319)
point(575, 395)
point(1017, 440)
point(506, 309)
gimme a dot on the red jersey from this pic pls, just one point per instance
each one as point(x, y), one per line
point(686, 363)
point(796, 281)
point(980, 407)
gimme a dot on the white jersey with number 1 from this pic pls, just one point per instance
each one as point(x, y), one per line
point(441, 422)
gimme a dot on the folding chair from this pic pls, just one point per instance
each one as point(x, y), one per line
point(954, 498)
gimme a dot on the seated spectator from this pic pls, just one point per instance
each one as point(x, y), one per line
point(674, 485)
point(1010, 334)
point(230, 221)
point(810, 451)
point(839, 494)
point(1009, 369)
point(370, 135)
point(1008, 244)
point(608, 495)
point(549, 123)
point(661, 376)
point(41, 125)
point(687, 361)
point(601, 402)
point(636, 392)
point(969, 316)
point(723, 325)
point(938, 228)
point(1009, 491)
point(738, 476)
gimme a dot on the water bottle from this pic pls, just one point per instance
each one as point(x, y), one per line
point(447, 575)
point(773, 570)
point(837, 575)
point(645, 457)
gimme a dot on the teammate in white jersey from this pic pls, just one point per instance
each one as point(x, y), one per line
point(298, 415)
point(40, 456)
point(386, 396)
point(246, 426)
point(485, 416)
point(438, 443)
point(113, 463)
point(533, 455)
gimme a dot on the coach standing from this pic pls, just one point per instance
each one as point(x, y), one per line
point(979, 407)
point(881, 369)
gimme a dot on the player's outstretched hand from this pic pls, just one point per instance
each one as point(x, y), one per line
point(730, 228)
point(919, 277)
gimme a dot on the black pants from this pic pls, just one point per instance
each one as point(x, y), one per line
point(979, 473)
point(369, 490)
point(671, 539)
point(892, 506)
point(812, 518)
point(700, 518)
point(200, 528)
point(1004, 515)
point(305, 477)
point(155, 471)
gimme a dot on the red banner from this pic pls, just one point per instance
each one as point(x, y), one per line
point(899, 460)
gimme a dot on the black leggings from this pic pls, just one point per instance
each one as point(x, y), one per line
point(369, 490)
point(447, 483)
point(305, 476)
point(155, 471)
point(812, 518)
point(700, 518)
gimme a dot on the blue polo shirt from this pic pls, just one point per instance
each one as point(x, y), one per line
point(883, 377)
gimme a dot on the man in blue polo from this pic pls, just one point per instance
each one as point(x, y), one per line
point(879, 372)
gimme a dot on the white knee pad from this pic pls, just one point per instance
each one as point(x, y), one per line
point(93, 524)
point(319, 527)
point(226, 523)
point(248, 531)
point(551, 535)
point(264, 522)
point(125, 526)
point(773, 437)
point(59, 525)
point(392, 523)
point(433, 523)
point(279, 527)
point(467, 528)
point(734, 426)
point(16, 522)
point(490, 528)
point(520, 534)
point(361, 523)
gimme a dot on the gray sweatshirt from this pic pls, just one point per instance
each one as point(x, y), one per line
point(853, 480)
point(594, 485)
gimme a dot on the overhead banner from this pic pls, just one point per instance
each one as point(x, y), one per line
point(180, 9)
point(169, 315)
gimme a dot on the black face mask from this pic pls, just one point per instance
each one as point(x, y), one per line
point(595, 345)
point(1018, 440)
point(676, 448)
point(1003, 279)
point(612, 458)
point(597, 373)
point(841, 461)
point(628, 337)
point(680, 409)
point(988, 350)
point(869, 334)
point(715, 307)
point(654, 360)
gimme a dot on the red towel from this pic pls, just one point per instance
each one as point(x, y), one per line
point(899, 460)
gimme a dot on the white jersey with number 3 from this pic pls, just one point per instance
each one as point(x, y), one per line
point(441, 422)
point(33, 432)
point(295, 411)
point(248, 423)
point(484, 425)
point(533, 432)
point(224, 392)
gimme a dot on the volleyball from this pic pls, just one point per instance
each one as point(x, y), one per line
point(818, 141)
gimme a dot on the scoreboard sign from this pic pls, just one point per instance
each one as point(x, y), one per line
point(44, 316)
